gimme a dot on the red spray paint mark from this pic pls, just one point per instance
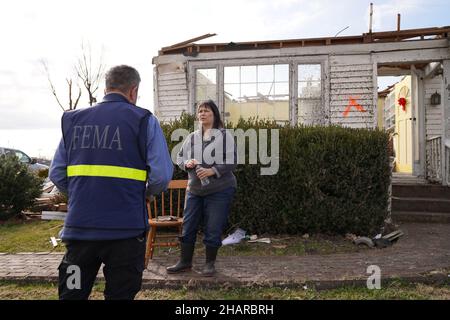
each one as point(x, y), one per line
point(352, 103)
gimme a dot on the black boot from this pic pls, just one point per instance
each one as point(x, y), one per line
point(185, 262)
point(209, 269)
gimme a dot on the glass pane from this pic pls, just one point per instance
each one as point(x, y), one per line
point(232, 92)
point(248, 90)
point(211, 92)
point(248, 74)
point(310, 112)
point(282, 88)
point(22, 157)
point(200, 93)
point(309, 72)
point(203, 93)
point(266, 89)
point(282, 72)
point(309, 90)
point(206, 76)
point(274, 110)
point(231, 75)
point(249, 109)
point(266, 73)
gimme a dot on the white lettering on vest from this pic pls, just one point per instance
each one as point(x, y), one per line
point(95, 137)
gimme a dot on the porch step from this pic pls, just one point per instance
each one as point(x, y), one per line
point(408, 180)
point(421, 204)
point(433, 191)
point(409, 216)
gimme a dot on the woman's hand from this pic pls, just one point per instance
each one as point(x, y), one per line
point(203, 173)
point(190, 164)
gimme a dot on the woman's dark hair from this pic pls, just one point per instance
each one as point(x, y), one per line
point(218, 124)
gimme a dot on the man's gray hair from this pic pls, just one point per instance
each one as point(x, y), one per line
point(121, 78)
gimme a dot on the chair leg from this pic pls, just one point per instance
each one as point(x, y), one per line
point(149, 248)
point(152, 241)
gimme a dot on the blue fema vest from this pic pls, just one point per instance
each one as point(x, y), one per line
point(106, 169)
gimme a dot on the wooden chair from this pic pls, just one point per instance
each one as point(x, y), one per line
point(160, 217)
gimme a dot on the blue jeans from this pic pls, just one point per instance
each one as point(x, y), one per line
point(212, 211)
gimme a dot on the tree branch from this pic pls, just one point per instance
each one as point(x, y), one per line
point(52, 87)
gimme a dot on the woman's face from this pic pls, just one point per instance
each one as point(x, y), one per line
point(205, 116)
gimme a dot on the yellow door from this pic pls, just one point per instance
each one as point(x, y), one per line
point(403, 125)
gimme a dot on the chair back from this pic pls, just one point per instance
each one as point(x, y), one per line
point(170, 202)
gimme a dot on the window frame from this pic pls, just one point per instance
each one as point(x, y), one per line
point(293, 63)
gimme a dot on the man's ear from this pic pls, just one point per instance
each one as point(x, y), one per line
point(134, 91)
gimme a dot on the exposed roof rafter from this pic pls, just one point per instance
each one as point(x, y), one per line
point(190, 48)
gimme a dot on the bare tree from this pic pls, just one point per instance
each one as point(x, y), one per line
point(89, 75)
point(73, 102)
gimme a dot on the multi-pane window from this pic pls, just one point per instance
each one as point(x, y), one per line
point(257, 91)
point(205, 85)
point(310, 109)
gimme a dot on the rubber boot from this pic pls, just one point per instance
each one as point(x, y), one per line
point(185, 262)
point(209, 269)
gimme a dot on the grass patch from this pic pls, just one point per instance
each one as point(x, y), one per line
point(280, 246)
point(29, 236)
point(394, 291)
point(34, 236)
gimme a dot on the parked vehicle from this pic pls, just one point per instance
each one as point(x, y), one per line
point(24, 158)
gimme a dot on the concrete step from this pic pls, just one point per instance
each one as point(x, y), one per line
point(409, 216)
point(402, 178)
point(421, 191)
point(421, 204)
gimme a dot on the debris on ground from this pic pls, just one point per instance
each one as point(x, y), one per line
point(51, 199)
point(252, 237)
point(364, 240)
point(234, 238)
point(54, 241)
point(239, 234)
point(350, 236)
point(261, 240)
point(53, 215)
point(280, 246)
point(379, 241)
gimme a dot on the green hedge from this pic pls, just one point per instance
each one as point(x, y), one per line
point(18, 187)
point(331, 180)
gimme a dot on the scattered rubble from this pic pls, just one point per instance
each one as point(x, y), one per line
point(236, 237)
point(379, 241)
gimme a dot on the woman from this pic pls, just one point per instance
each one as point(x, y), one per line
point(209, 157)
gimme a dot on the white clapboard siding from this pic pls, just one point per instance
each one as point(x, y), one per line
point(433, 114)
point(354, 85)
point(351, 81)
point(173, 95)
point(352, 67)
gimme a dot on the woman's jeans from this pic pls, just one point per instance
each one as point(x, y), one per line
point(211, 211)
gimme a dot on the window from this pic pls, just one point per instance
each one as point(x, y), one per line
point(21, 156)
point(205, 85)
point(310, 110)
point(257, 91)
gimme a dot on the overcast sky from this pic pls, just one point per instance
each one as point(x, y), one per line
point(131, 32)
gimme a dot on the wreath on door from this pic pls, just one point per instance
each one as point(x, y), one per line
point(403, 94)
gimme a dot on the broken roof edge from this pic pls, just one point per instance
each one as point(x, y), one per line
point(187, 48)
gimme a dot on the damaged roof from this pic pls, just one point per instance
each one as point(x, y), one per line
point(189, 48)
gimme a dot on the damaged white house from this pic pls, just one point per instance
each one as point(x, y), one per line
point(318, 81)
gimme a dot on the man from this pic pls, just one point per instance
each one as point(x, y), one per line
point(103, 161)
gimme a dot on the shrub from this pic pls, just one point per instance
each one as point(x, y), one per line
point(43, 173)
point(18, 187)
point(331, 180)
